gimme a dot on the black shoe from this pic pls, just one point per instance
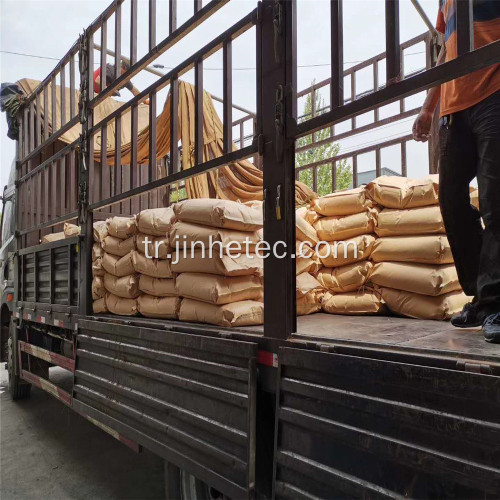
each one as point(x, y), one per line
point(468, 318)
point(491, 328)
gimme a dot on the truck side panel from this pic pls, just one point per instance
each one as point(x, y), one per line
point(188, 398)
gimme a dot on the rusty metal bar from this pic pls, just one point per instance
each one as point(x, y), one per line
point(227, 96)
point(465, 26)
point(337, 54)
point(47, 386)
point(104, 44)
point(172, 16)
point(118, 40)
point(197, 5)
point(72, 100)
point(392, 44)
point(198, 121)
point(152, 24)
point(174, 125)
point(62, 90)
point(152, 136)
point(133, 31)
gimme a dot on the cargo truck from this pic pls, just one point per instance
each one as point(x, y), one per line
point(319, 407)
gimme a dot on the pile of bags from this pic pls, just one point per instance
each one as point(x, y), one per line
point(225, 288)
point(403, 262)
point(157, 264)
point(413, 265)
point(346, 222)
point(69, 231)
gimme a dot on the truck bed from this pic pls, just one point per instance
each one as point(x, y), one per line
point(368, 331)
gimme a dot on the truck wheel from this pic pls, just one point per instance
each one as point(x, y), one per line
point(18, 388)
point(183, 485)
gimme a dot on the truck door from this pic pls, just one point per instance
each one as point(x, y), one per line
point(356, 426)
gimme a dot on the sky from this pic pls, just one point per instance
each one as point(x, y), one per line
point(48, 28)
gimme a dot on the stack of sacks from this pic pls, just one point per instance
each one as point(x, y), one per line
point(151, 261)
point(98, 290)
point(413, 270)
point(346, 222)
point(309, 294)
point(221, 290)
point(120, 279)
point(69, 231)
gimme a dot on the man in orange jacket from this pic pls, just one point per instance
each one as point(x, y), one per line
point(469, 139)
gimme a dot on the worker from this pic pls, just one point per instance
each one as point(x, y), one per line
point(469, 142)
point(110, 78)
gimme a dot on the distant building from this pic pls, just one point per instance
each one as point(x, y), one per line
point(370, 175)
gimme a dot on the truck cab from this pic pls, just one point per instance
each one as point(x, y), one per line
point(7, 249)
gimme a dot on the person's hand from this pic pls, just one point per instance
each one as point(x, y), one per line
point(146, 102)
point(422, 126)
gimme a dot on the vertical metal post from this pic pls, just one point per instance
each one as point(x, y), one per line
point(174, 125)
point(337, 55)
point(278, 111)
point(86, 51)
point(465, 27)
point(227, 96)
point(392, 48)
point(198, 119)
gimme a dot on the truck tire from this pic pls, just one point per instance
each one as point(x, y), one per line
point(18, 388)
point(183, 485)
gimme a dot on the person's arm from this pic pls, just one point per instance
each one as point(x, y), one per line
point(423, 122)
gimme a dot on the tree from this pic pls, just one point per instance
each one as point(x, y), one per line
point(318, 153)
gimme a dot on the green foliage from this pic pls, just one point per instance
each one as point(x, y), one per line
point(318, 153)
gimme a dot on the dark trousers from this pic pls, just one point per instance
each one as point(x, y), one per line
point(470, 147)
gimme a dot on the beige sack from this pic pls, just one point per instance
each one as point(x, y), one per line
point(71, 230)
point(122, 227)
point(152, 267)
point(306, 265)
point(345, 278)
point(159, 307)
point(118, 266)
point(97, 269)
point(100, 230)
point(158, 287)
point(348, 252)
point(225, 266)
point(352, 201)
point(158, 246)
point(401, 192)
point(98, 290)
point(342, 228)
point(305, 232)
point(366, 301)
point(97, 251)
point(418, 278)
point(301, 212)
point(123, 307)
point(184, 234)
point(310, 302)
point(126, 287)
point(306, 283)
point(218, 289)
point(49, 238)
point(425, 220)
point(244, 313)
point(427, 249)
point(155, 221)
point(99, 306)
point(117, 246)
point(219, 213)
point(414, 305)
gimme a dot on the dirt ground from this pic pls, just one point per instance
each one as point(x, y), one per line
point(49, 452)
